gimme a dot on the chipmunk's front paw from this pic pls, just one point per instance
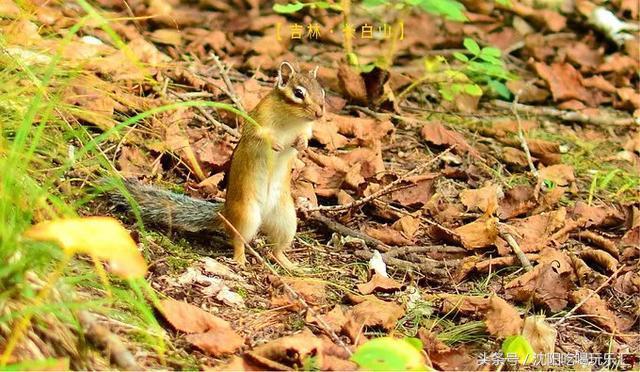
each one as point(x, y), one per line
point(301, 143)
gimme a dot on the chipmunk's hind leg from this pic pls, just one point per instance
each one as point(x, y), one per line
point(246, 223)
point(280, 230)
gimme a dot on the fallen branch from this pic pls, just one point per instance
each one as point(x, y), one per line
point(347, 231)
point(523, 140)
point(293, 294)
point(566, 115)
point(388, 188)
point(401, 251)
point(213, 120)
point(526, 264)
point(110, 343)
point(423, 267)
point(225, 77)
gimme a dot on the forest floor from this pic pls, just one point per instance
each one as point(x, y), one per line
point(476, 177)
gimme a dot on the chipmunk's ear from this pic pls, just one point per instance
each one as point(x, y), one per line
point(313, 73)
point(285, 73)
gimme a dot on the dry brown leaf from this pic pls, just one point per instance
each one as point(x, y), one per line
point(335, 319)
point(501, 318)
point(484, 199)
point(517, 201)
point(352, 84)
point(619, 63)
point(480, 233)
point(581, 54)
point(314, 292)
point(540, 334)
point(187, 318)
point(596, 308)
point(514, 156)
point(167, 36)
point(408, 225)
point(629, 96)
point(596, 215)
point(379, 283)
point(559, 174)
point(628, 283)
point(387, 235)
point(327, 134)
point(419, 192)
point(601, 258)
point(598, 82)
point(437, 134)
point(547, 284)
point(288, 352)
point(216, 343)
point(527, 92)
point(132, 162)
point(564, 81)
point(371, 312)
point(367, 130)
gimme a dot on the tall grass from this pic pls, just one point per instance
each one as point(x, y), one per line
point(35, 153)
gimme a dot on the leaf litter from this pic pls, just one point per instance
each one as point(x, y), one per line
point(576, 218)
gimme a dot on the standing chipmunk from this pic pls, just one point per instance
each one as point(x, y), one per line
point(259, 183)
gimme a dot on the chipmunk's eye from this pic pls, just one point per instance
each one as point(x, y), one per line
point(298, 92)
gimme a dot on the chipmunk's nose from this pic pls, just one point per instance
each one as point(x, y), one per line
point(320, 111)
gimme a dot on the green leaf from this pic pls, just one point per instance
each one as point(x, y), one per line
point(500, 89)
point(446, 93)
point(449, 9)
point(504, 2)
point(473, 89)
point(389, 354)
point(471, 46)
point(434, 63)
point(519, 346)
point(367, 67)
point(605, 181)
point(372, 3)
point(460, 57)
point(288, 8)
point(491, 52)
point(352, 59)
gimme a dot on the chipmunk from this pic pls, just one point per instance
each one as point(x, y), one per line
point(259, 183)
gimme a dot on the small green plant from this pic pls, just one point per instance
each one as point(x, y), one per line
point(484, 66)
point(298, 6)
point(391, 354)
point(519, 346)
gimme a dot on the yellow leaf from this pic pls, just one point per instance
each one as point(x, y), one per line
point(101, 237)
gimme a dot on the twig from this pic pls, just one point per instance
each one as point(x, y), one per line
point(428, 268)
point(526, 264)
point(420, 249)
point(294, 295)
point(523, 141)
point(225, 77)
point(388, 188)
point(213, 120)
point(566, 115)
point(344, 230)
point(615, 273)
point(101, 336)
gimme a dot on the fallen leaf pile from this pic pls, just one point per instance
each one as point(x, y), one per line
point(511, 213)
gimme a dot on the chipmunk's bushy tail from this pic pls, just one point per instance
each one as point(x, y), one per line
point(172, 210)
